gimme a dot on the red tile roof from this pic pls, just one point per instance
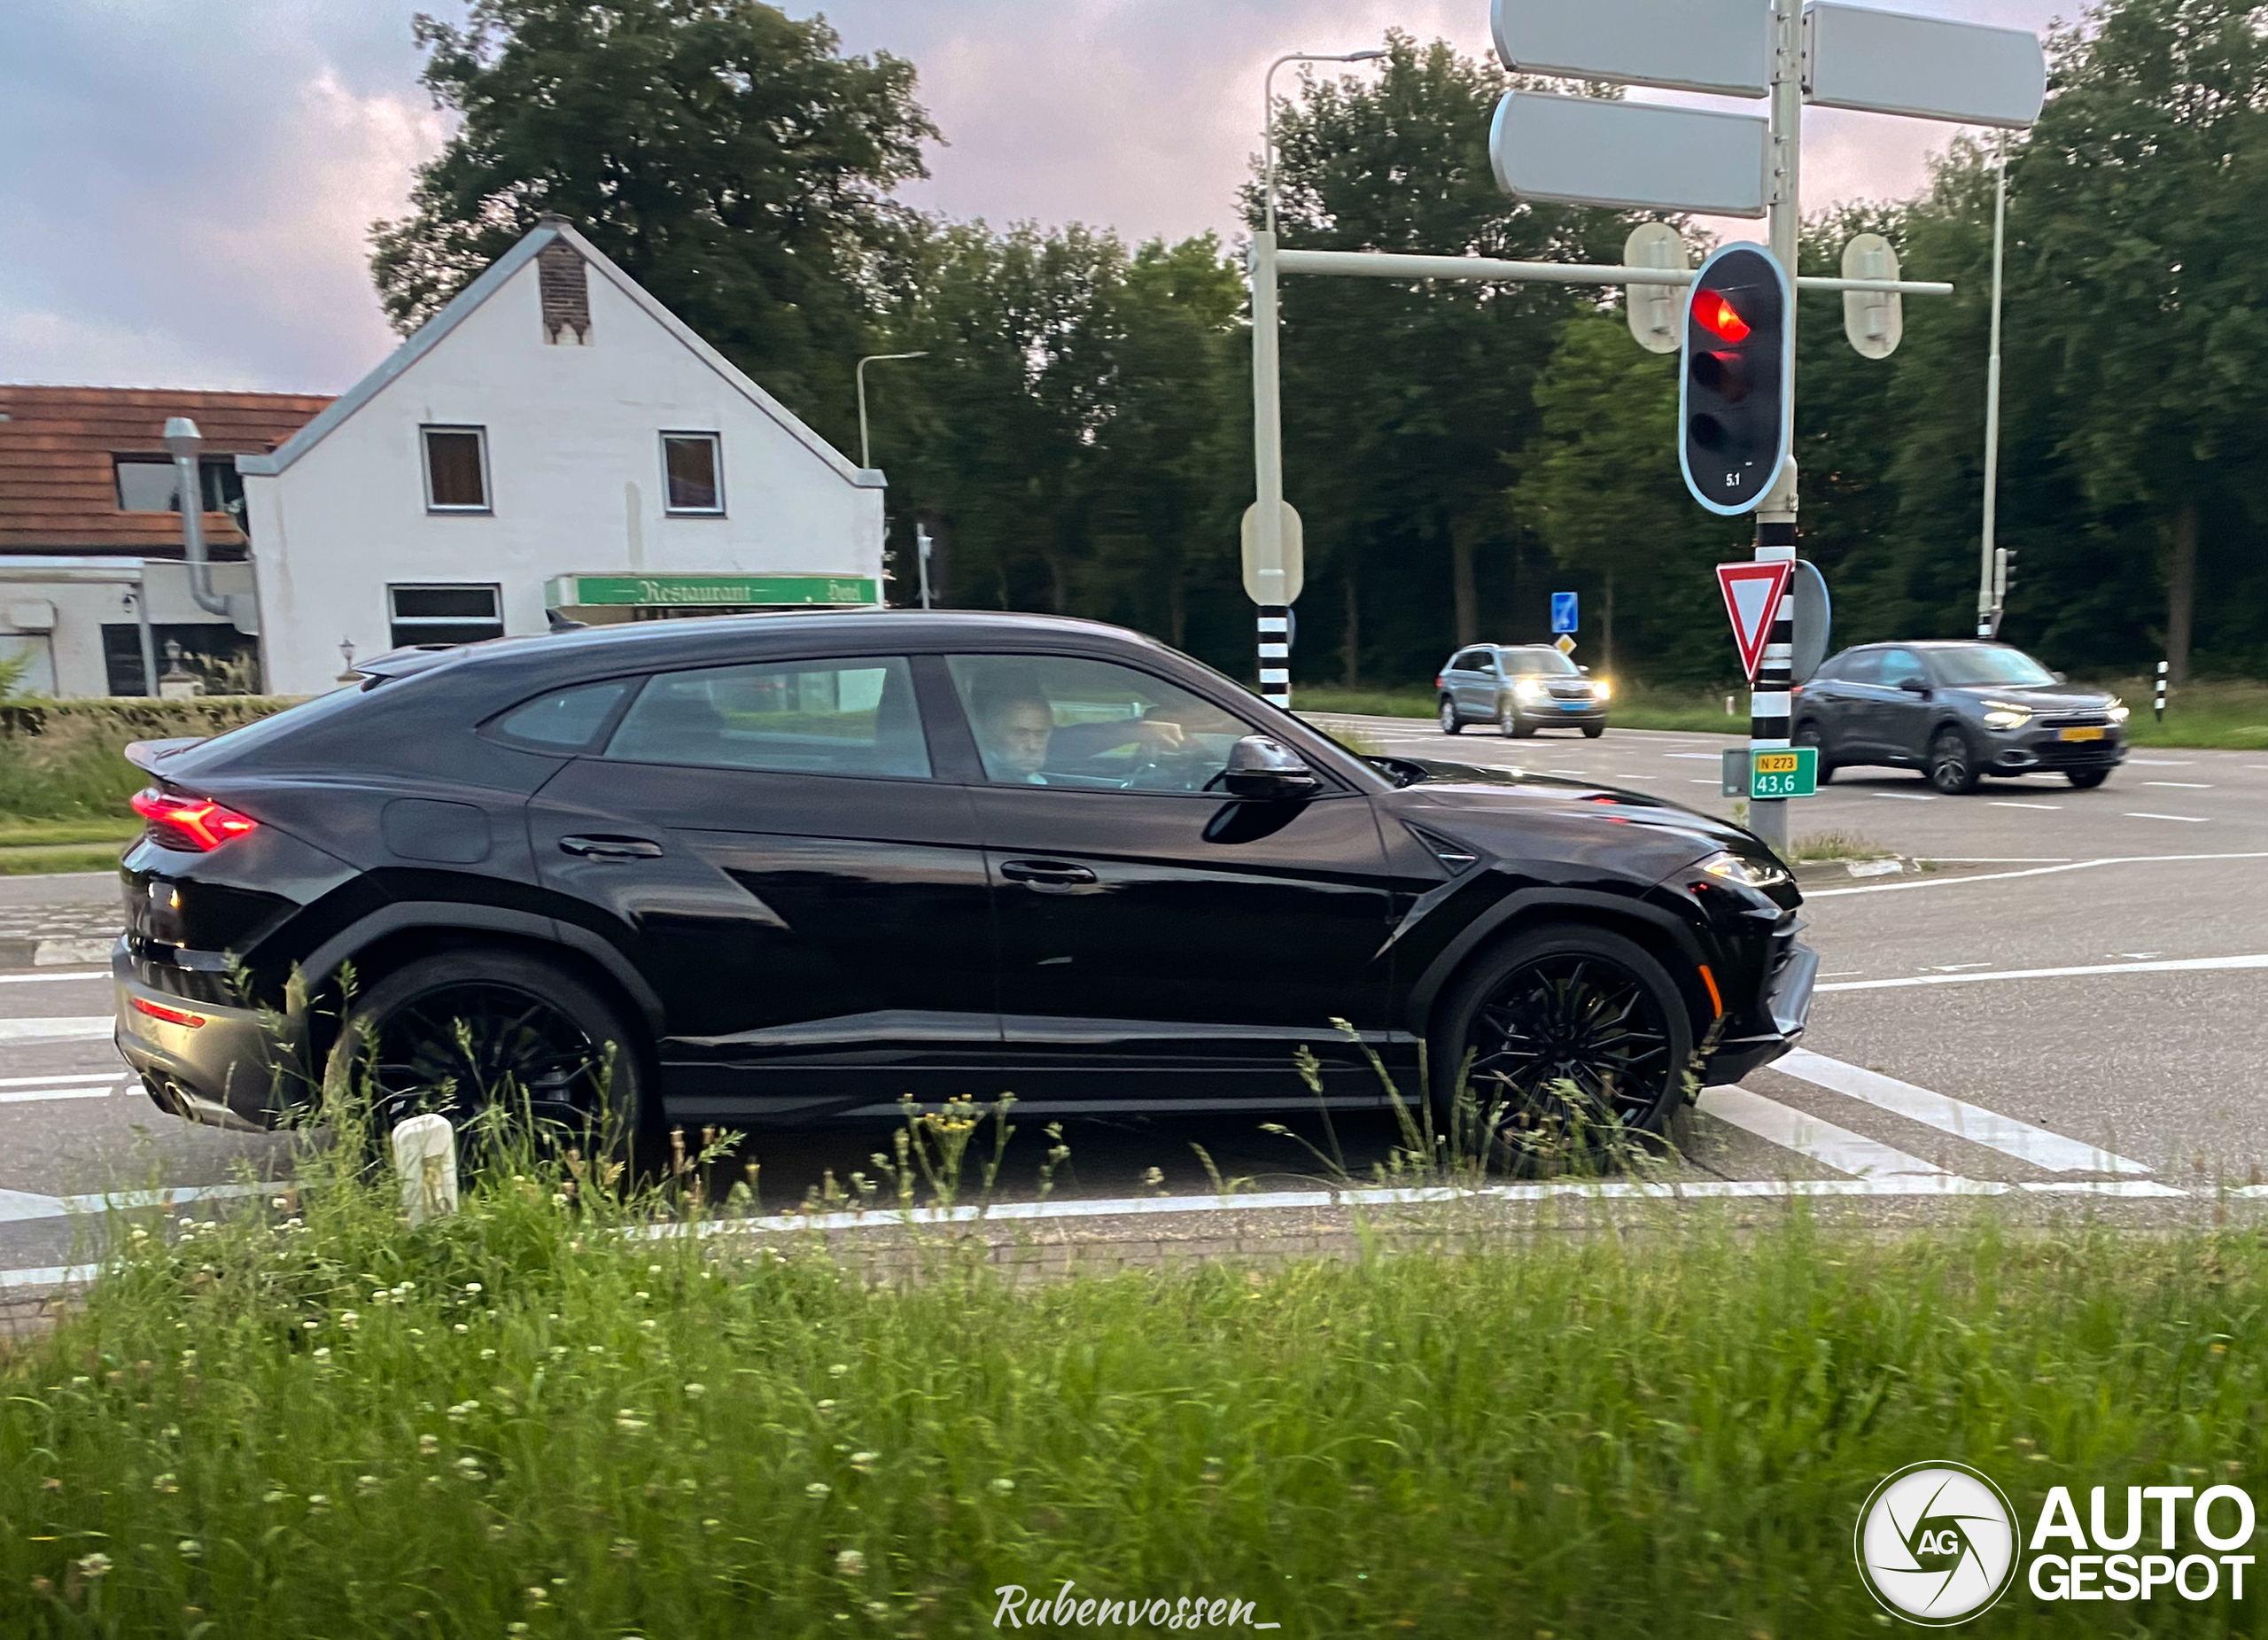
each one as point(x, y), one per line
point(57, 492)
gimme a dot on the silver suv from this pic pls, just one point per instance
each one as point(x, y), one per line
point(1520, 689)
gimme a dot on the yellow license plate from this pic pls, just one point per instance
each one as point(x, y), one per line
point(2081, 735)
point(1778, 763)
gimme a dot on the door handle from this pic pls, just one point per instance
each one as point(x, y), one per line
point(1045, 873)
point(610, 848)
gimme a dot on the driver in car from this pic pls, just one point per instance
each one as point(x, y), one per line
point(1017, 735)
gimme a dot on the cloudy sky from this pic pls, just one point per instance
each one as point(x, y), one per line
point(190, 181)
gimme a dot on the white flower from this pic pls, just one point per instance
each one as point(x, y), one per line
point(472, 1286)
point(695, 1391)
point(189, 1548)
point(347, 1319)
point(629, 1420)
point(165, 1483)
point(317, 1502)
point(826, 1409)
point(851, 1562)
point(460, 1327)
point(838, 1369)
point(429, 1444)
point(863, 1462)
point(1004, 1486)
point(818, 1489)
point(367, 1485)
point(93, 1566)
point(323, 1355)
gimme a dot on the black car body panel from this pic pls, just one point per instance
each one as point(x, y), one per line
point(800, 943)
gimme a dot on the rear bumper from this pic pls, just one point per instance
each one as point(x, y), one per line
point(204, 1062)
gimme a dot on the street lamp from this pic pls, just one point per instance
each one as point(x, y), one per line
point(866, 456)
point(1267, 112)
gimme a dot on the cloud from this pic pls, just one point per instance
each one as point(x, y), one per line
point(190, 183)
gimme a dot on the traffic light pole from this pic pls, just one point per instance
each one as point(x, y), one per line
point(1991, 585)
point(1775, 517)
point(1275, 622)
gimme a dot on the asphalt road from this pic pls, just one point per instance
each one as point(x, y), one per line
point(1953, 1048)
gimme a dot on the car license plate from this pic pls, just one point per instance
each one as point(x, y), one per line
point(2081, 734)
point(1573, 705)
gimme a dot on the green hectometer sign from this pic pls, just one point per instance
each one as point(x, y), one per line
point(1792, 772)
point(565, 591)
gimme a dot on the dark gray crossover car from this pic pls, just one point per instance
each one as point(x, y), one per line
point(1958, 710)
point(1520, 688)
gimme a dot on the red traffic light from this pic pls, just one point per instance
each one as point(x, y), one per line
point(1714, 313)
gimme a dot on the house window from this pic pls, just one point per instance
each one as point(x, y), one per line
point(456, 469)
point(152, 484)
point(440, 614)
point(690, 468)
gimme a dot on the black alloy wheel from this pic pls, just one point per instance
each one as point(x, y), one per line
point(1573, 1035)
point(1451, 724)
point(1808, 735)
point(1952, 767)
point(466, 1032)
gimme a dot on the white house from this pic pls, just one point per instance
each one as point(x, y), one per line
point(553, 438)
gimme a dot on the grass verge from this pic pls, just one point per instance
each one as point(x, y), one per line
point(525, 1418)
point(47, 858)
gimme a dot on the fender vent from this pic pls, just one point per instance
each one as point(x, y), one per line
point(1455, 856)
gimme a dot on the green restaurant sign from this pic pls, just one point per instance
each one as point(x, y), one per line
point(569, 592)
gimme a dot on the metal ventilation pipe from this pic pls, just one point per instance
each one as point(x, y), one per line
point(183, 442)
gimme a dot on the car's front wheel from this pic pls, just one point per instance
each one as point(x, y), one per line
point(1508, 721)
point(1952, 767)
point(1559, 1043)
point(488, 1032)
point(2087, 780)
point(1451, 724)
point(1592, 731)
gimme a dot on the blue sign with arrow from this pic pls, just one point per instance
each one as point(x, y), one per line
point(1563, 612)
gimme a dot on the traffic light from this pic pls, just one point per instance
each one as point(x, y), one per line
point(1734, 404)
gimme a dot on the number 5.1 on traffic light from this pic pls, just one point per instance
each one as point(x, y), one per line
point(1734, 404)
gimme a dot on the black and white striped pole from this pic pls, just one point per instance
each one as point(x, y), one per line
point(2161, 700)
point(1769, 699)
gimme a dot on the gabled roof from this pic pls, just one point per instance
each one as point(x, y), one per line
point(468, 301)
point(58, 491)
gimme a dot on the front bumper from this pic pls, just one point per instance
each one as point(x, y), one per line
point(1776, 1024)
point(2023, 751)
point(199, 1061)
point(1544, 714)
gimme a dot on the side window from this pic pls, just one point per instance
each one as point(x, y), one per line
point(1465, 660)
point(1899, 665)
point(1051, 721)
point(823, 716)
point(565, 721)
point(1863, 668)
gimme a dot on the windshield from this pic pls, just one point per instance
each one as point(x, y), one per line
point(1537, 663)
point(1967, 668)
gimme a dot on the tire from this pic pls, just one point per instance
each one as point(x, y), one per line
point(1808, 734)
point(1592, 731)
point(1952, 767)
point(534, 1026)
point(1508, 719)
point(2087, 780)
point(1606, 1017)
point(1451, 724)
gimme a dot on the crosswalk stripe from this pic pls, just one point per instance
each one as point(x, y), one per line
point(69, 1028)
point(2005, 1134)
point(33, 1096)
point(1811, 1137)
point(2175, 965)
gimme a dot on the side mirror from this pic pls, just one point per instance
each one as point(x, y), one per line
point(2059, 677)
point(1265, 768)
point(1584, 670)
point(1914, 686)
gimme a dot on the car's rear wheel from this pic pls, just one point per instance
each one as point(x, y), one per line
point(1808, 735)
point(1558, 1044)
point(2087, 780)
point(1451, 724)
point(1952, 767)
point(469, 1032)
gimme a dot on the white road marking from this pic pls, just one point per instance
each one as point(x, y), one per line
point(1947, 1114)
point(42, 979)
point(2195, 819)
point(2139, 956)
point(18, 1206)
point(1703, 782)
point(1950, 968)
point(2184, 785)
point(33, 1096)
point(2038, 871)
point(2178, 965)
point(1811, 1137)
point(1844, 974)
point(2162, 763)
point(2000, 859)
point(1904, 796)
point(1706, 757)
point(2002, 803)
point(56, 1081)
point(75, 1027)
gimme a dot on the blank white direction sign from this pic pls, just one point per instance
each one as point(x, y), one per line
point(1630, 155)
point(1924, 68)
point(1686, 45)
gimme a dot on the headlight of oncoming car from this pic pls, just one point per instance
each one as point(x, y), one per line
point(2117, 712)
point(1748, 874)
point(2000, 715)
point(1601, 689)
point(1530, 689)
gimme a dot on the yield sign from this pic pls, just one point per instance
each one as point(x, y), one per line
point(1752, 593)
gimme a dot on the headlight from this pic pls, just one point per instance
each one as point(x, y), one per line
point(1748, 874)
point(1530, 689)
point(1601, 689)
point(2000, 715)
point(2118, 712)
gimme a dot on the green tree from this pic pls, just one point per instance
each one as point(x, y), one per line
point(727, 156)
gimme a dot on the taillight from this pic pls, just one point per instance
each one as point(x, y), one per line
point(1438, 681)
point(180, 821)
point(172, 1016)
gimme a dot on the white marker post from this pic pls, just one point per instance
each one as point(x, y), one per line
point(425, 1156)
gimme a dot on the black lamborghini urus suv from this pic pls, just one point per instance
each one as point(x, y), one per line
point(796, 867)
